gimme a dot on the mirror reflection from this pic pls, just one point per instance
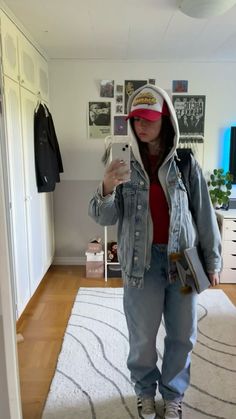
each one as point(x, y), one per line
point(118, 126)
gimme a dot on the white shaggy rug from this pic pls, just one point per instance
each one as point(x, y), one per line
point(92, 382)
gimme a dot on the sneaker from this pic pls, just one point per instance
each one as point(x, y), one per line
point(172, 409)
point(146, 407)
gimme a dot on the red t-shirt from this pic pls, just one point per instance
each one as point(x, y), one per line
point(159, 209)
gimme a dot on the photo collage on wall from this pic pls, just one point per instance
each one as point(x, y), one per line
point(100, 112)
point(190, 109)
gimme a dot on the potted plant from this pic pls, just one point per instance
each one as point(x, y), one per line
point(220, 185)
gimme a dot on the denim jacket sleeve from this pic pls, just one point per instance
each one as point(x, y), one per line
point(104, 209)
point(205, 219)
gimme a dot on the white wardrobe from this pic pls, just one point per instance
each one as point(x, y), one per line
point(25, 81)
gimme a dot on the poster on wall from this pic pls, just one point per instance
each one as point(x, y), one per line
point(190, 111)
point(119, 109)
point(119, 88)
point(99, 119)
point(120, 125)
point(180, 86)
point(107, 88)
point(152, 81)
point(130, 87)
point(119, 99)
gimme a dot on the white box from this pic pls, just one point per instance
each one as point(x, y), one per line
point(95, 269)
point(94, 257)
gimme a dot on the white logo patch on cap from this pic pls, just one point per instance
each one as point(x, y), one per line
point(148, 99)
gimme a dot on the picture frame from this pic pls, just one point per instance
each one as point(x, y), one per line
point(99, 119)
point(190, 112)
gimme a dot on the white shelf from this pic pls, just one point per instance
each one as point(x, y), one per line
point(106, 262)
point(112, 263)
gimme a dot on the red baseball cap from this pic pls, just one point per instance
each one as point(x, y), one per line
point(148, 104)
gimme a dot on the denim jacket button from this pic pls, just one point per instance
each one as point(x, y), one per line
point(139, 207)
point(135, 258)
point(141, 183)
point(136, 233)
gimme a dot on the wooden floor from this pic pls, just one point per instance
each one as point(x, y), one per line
point(43, 325)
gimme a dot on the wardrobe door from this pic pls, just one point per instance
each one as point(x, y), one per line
point(9, 40)
point(27, 64)
point(42, 77)
point(17, 205)
point(34, 199)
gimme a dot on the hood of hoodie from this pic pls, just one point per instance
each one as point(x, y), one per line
point(173, 118)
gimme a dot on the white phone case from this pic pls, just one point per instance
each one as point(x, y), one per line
point(121, 151)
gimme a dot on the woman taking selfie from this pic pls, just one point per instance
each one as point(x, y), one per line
point(155, 223)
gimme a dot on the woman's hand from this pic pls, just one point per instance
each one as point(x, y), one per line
point(214, 279)
point(115, 174)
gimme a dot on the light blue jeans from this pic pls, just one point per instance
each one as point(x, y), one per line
point(143, 310)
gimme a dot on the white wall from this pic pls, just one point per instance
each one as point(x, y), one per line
point(73, 83)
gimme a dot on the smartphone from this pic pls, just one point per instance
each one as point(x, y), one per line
point(121, 151)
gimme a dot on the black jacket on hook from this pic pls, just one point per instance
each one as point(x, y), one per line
point(48, 162)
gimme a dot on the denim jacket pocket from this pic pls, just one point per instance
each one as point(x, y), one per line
point(178, 192)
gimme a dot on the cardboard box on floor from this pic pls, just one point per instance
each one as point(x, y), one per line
point(95, 269)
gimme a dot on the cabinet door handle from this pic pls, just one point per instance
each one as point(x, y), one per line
point(233, 269)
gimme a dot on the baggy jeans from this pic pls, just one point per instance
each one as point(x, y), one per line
point(143, 310)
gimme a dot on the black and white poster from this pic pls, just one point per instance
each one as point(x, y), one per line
point(99, 119)
point(190, 111)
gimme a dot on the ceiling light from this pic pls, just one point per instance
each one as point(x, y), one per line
point(203, 9)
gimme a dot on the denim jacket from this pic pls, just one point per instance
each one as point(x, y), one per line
point(129, 206)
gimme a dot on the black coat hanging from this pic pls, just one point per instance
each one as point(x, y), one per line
point(48, 162)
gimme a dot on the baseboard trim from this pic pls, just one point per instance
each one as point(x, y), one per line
point(67, 260)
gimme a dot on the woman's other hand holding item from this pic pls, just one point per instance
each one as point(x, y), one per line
point(214, 279)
